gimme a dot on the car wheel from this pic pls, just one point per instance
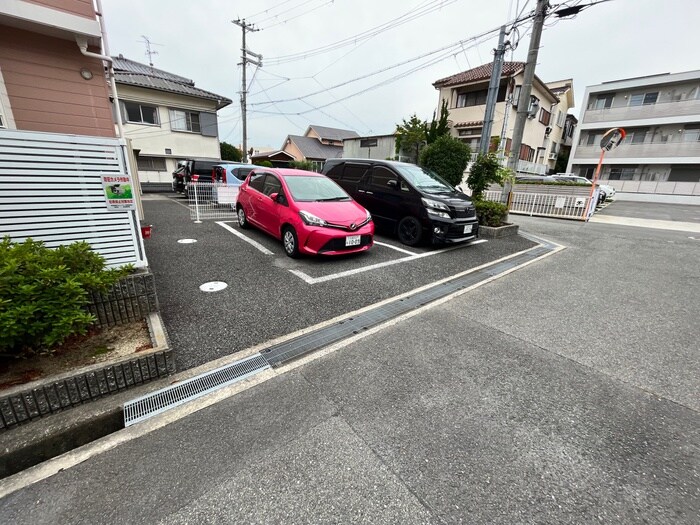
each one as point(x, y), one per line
point(242, 219)
point(290, 242)
point(410, 231)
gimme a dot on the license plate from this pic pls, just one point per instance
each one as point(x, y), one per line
point(352, 240)
point(468, 228)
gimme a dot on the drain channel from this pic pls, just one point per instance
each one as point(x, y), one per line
point(156, 402)
point(281, 353)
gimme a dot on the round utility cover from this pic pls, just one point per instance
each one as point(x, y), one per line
point(187, 241)
point(213, 286)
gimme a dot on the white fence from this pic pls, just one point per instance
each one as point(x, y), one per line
point(544, 205)
point(51, 190)
point(212, 200)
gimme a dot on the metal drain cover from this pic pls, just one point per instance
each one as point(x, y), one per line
point(187, 241)
point(213, 286)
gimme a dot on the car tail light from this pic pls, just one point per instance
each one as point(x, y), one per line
point(195, 178)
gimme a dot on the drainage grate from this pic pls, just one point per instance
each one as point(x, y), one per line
point(281, 353)
point(156, 402)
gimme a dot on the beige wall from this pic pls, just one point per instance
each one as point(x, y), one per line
point(83, 8)
point(292, 149)
point(45, 89)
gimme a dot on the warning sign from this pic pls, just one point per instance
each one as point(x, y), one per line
point(118, 192)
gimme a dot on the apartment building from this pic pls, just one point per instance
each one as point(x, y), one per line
point(465, 94)
point(661, 115)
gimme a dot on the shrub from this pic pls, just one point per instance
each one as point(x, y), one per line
point(43, 293)
point(485, 171)
point(448, 157)
point(302, 165)
point(491, 213)
point(263, 163)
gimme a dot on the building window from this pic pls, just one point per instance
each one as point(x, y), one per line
point(534, 104)
point(516, 96)
point(474, 98)
point(527, 153)
point(638, 136)
point(150, 163)
point(184, 121)
point(140, 113)
point(644, 99)
point(622, 173)
point(560, 118)
point(603, 101)
point(545, 116)
point(469, 132)
point(368, 143)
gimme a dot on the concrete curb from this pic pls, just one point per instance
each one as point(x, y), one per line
point(490, 232)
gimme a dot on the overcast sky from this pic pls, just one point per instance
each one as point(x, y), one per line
point(196, 39)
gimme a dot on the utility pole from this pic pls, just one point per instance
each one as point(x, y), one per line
point(245, 60)
point(525, 92)
point(492, 96)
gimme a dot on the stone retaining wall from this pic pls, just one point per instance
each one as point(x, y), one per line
point(131, 299)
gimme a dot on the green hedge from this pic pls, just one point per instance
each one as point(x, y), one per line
point(491, 213)
point(44, 292)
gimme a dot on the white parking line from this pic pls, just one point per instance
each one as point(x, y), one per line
point(315, 280)
point(394, 248)
point(247, 239)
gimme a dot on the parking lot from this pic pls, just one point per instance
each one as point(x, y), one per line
point(268, 294)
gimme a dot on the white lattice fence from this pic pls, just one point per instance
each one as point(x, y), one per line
point(545, 205)
point(51, 190)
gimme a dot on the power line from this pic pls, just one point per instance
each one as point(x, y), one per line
point(268, 9)
point(300, 14)
point(414, 13)
point(388, 68)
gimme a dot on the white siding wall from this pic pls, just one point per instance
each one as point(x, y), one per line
point(51, 190)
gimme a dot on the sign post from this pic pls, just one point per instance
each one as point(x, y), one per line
point(612, 139)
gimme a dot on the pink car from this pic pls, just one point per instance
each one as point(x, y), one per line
point(310, 213)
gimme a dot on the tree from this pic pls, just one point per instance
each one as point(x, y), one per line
point(438, 128)
point(562, 161)
point(448, 157)
point(485, 171)
point(230, 152)
point(410, 136)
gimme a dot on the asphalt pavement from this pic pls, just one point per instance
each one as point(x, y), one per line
point(564, 392)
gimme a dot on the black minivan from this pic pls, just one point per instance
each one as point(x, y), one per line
point(407, 199)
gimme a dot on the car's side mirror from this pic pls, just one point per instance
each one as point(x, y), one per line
point(392, 184)
point(274, 196)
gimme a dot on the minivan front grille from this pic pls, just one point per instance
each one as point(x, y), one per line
point(463, 213)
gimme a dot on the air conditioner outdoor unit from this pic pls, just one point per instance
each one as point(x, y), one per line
point(552, 156)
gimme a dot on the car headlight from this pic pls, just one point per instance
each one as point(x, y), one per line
point(430, 203)
point(369, 216)
point(311, 220)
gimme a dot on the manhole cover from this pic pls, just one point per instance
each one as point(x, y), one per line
point(214, 286)
point(187, 241)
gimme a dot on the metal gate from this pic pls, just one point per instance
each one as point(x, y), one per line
point(545, 205)
point(51, 190)
point(212, 200)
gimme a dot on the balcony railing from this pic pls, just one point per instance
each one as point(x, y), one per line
point(649, 111)
point(643, 150)
point(531, 167)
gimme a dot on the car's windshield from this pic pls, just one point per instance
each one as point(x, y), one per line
point(310, 189)
point(424, 180)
